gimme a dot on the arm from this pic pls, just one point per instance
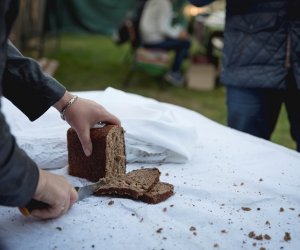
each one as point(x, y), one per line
point(24, 84)
point(37, 91)
point(34, 92)
point(18, 173)
point(165, 20)
point(21, 180)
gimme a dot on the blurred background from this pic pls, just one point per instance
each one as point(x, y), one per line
point(78, 42)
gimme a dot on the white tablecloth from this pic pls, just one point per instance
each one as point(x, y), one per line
point(153, 133)
point(231, 185)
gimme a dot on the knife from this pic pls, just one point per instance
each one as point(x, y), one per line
point(83, 192)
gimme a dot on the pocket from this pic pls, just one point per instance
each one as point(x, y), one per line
point(246, 35)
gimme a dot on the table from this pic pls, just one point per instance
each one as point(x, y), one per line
point(234, 191)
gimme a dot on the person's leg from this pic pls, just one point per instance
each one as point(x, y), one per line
point(292, 104)
point(253, 110)
point(181, 47)
point(181, 53)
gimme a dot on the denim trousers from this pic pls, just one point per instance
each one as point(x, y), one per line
point(181, 48)
point(256, 110)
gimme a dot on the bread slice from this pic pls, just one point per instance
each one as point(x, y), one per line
point(108, 157)
point(160, 192)
point(134, 184)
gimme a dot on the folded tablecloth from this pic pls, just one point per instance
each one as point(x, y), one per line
point(153, 135)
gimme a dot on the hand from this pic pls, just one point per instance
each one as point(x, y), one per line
point(84, 114)
point(183, 35)
point(57, 192)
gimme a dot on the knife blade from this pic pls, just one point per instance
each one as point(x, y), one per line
point(88, 190)
point(83, 192)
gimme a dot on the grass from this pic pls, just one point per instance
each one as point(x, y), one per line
point(92, 62)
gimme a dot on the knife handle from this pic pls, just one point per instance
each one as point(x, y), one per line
point(35, 204)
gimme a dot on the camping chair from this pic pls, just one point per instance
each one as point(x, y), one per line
point(154, 62)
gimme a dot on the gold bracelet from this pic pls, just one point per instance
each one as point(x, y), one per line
point(69, 103)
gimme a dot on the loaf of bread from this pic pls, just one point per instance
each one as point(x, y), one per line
point(108, 163)
point(108, 157)
point(134, 184)
point(160, 192)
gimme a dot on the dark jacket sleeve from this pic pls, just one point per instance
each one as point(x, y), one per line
point(18, 173)
point(33, 92)
point(201, 3)
point(25, 85)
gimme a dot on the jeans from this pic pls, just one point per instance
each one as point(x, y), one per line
point(256, 110)
point(181, 48)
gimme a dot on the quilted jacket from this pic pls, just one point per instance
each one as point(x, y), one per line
point(261, 42)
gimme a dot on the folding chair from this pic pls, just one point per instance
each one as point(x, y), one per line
point(154, 62)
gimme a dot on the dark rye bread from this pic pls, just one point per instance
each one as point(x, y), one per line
point(160, 192)
point(134, 184)
point(108, 157)
point(108, 163)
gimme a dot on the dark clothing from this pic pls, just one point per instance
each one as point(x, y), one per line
point(261, 42)
point(256, 110)
point(181, 48)
point(261, 64)
point(24, 84)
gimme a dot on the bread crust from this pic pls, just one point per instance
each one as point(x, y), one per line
point(134, 184)
point(108, 163)
point(108, 157)
point(160, 192)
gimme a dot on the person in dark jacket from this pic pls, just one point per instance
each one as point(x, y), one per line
point(33, 92)
point(261, 64)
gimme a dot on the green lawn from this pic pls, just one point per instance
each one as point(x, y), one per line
point(92, 62)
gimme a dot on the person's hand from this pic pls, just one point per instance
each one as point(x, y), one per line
point(57, 192)
point(183, 35)
point(84, 114)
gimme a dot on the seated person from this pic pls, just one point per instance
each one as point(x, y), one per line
point(156, 31)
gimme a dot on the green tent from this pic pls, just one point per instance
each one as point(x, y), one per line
point(92, 16)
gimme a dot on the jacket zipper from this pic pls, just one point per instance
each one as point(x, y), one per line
point(288, 52)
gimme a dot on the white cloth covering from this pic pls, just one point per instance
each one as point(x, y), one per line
point(229, 173)
point(152, 133)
